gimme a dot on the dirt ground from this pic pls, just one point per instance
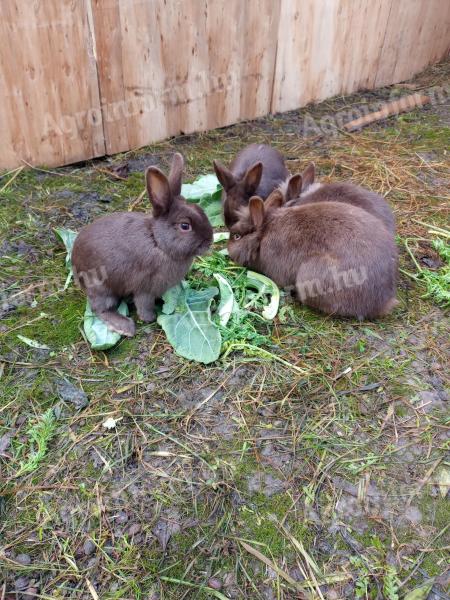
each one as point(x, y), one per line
point(242, 479)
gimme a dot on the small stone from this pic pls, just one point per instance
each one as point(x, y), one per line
point(23, 559)
point(268, 593)
point(30, 593)
point(134, 529)
point(265, 483)
point(92, 562)
point(69, 393)
point(429, 401)
point(122, 518)
point(215, 583)
point(167, 526)
point(78, 553)
point(296, 574)
point(413, 515)
point(65, 194)
point(21, 583)
point(5, 441)
point(88, 547)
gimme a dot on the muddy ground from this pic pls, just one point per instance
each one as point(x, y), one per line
point(242, 479)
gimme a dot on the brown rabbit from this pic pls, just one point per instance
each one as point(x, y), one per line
point(338, 257)
point(132, 254)
point(257, 170)
point(303, 189)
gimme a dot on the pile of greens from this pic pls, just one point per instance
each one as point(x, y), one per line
point(438, 282)
point(201, 320)
point(202, 323)
point(206, 192)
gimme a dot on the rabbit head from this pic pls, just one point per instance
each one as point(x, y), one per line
point(303, 189)
point(247, 232)
point(299, 185)
point(237, 192)
point(180, 229)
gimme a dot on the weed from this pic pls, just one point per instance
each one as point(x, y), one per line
point(391, 583)
point(438, 282)
point(40, 435)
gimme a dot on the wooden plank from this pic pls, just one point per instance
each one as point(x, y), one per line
point(108, 36)
point(242, 44)
point(417, 35)
point(329, 47)
point(224, 25)
point(403, 23)
point(368, 23)
point(144, 73)
point(49, 101)
point(183, 35)
point(441, 46)
point(258, 57)
point(182, 68)
point(313, 51)
point(430, 41)
point(307, 67)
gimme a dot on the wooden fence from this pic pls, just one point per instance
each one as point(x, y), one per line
point(84, 78)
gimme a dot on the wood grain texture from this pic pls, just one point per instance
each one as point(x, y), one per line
point(368, 23)
point(79, 78)
point(337, 47)
point(49, 98)
point(333, 47)
point(417, 35)
point(172, 66)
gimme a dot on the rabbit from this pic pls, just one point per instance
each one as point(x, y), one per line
point(340, 259)
point(257, 170)
point(303, 189)
point(132, 254)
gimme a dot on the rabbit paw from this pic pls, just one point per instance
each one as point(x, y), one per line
point(146, 314)
point(127, 329)
point(118, 323)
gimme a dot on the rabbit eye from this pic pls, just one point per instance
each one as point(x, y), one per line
point(236, 236)
point(185, 226)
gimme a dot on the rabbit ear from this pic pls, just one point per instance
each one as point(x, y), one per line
point(158, 190)
point(176, 173)
point(308, 176)
point(225, 176)
point(256, 207)
point(252, 178)
point(294, 187)
point(275, 200)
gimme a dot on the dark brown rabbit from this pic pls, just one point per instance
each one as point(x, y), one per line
point(257, 170)
point(340, 259)
point(131, 254)
point(303, 189)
